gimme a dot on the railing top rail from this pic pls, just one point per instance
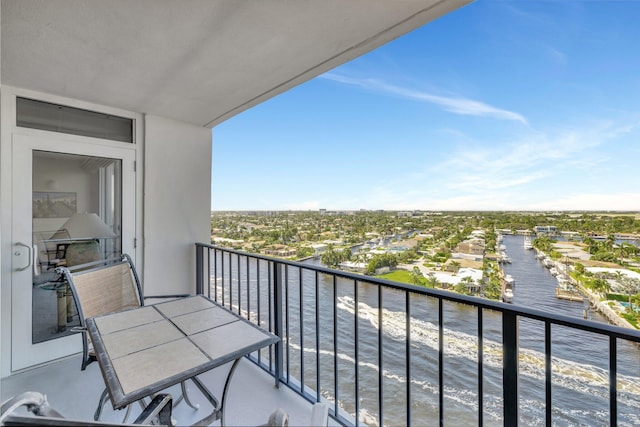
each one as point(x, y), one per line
point(557, 319)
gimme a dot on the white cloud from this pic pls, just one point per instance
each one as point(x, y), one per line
point(456, 105)
point(535, 156)
point(538, 171)
point(557, 55)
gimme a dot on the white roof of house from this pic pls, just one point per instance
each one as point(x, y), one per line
point(623, 271)
point(445, 277)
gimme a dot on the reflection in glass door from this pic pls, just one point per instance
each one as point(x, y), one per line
point(76, 218)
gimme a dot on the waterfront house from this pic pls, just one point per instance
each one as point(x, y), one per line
point(318, 248)
point(471, 249)
point(545, 229)
point(108, 108)
point(281, 251)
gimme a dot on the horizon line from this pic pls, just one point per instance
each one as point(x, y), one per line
point(430, 210)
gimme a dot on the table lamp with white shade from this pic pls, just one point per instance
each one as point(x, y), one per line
point(85, 229)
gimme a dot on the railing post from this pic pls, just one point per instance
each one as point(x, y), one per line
point(277, 308)
point(510, 368)
point(199, 269)
point(613, 378)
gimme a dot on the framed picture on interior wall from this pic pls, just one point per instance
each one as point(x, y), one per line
point(54, 204)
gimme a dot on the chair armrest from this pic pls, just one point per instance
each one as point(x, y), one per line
point(166, 296)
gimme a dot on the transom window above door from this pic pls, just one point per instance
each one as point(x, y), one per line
point(60, 118)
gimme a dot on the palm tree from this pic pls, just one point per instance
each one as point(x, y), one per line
point(455, 265)
point(417, 278)
point(635, 299)
point(432, 281)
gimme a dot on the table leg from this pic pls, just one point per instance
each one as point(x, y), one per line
point(67, 292)
point(213, 416)
point(218, 412)
point(226, 388)
point(183, 386)
point(62, 309)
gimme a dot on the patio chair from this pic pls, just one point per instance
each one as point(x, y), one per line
point(99, 288)
point(51, 250)
point(158, 412)
point(103, 287)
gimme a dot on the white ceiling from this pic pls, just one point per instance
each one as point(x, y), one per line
point(199, 61)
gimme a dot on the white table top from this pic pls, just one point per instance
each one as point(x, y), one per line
point(145, 350)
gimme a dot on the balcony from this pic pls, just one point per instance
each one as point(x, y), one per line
point(353, 341)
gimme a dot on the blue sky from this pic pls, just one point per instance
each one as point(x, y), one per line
point(499, 105)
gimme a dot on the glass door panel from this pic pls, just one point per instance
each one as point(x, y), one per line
point(76, 218)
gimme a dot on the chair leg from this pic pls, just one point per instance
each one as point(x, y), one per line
point(104, 397)
point(126, 414)
point(183, 386)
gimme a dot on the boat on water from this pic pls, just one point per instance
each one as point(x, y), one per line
point(507, 295)
point(554, 271)
point(509, 280)
point(504, 258)
point(527, 242)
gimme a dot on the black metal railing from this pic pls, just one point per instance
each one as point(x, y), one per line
point(381, 352)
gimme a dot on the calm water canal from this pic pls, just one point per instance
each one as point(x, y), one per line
point(580, 361)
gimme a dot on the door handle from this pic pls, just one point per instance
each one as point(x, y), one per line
point(17, 253)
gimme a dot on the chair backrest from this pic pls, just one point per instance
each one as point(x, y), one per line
point(50, 252)
point(104, 286)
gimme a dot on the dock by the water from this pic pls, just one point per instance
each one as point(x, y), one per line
point(569, 295)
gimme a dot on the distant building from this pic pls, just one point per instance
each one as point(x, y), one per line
point(382, 270)
point(248, 226)
point(545, 229)
point(479, 234)
point(227, 243)
point(281, 251)
point(319, 248)
point(356, 267)
point(474, 247)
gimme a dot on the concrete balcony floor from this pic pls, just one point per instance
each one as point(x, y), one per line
point(252, 396)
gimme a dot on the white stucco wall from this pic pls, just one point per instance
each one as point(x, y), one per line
point(177, 203)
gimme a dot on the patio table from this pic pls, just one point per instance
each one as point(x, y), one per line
point(145, 350)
